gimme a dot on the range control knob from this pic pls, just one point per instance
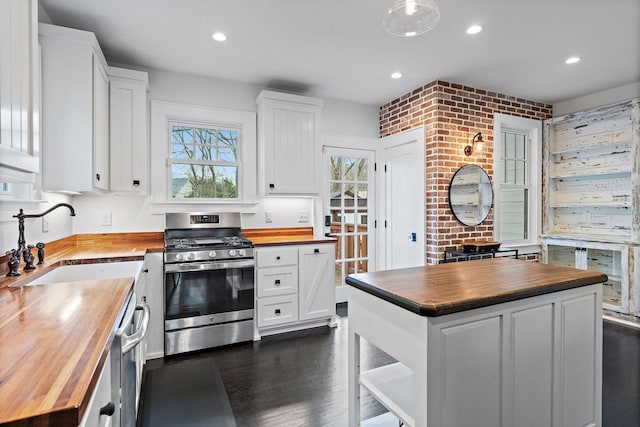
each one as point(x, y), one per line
point(232, 252)
point(212, 254)
point(179, 257)
point(242, 252)
point(191, 256)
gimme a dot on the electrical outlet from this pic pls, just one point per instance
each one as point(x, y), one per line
point(268, 216)
point(45, 224)
point(105, 218)
point(303, 216)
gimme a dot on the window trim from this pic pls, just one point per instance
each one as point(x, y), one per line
point(164, 113)
point(533, 128)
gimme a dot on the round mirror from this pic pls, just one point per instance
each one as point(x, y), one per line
point(470, 195)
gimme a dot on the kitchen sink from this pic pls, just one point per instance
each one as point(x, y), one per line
point(82, 272)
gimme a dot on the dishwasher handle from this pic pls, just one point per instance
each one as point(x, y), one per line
point(130, 341)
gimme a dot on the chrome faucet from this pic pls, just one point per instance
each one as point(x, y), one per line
point(22, 247)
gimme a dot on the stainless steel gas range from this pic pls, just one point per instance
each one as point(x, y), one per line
point(208, 282)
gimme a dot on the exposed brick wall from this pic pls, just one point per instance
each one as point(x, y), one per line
point(451, 114)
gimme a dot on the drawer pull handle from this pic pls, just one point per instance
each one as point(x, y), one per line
point(108, 409)
point(277, 312)
point(316, 251)
point(277, 283)
point(278, 258)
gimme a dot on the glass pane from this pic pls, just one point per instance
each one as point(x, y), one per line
point(335, 198)
point(510, 145)
point(521, 141)
point(363, 170)
point(204, 181)
point(349, 217)
point(362, 195)
point(503, 144)
point(363, 241)
point(182, 151)
point(349, 244)
point(520, 172)
point(349, 195)
point(228, 137)
point(205, 136)
point(338, 272)
point(513, 214)
point(227, 154)
point(181, 134)
point(349, 169)
point(350, 267)
point(335, 173)
point(510, 172)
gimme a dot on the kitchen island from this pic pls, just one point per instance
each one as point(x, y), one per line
point(496, 342)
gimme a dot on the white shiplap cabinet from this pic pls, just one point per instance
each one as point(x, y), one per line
point(294, 287)
point(18, 90)
point(128, 142)
point(75, 111)
point(591, 203)
point(289, 160)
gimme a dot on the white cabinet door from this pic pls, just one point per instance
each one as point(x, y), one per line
point(18, 71)
point(316, 285)
point(100, 126)
point(128, 131)
point(154, 288)
point(289, 153)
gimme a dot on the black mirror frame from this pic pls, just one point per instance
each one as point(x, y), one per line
point(449, 195)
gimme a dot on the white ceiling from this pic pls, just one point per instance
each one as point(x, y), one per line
point(338, 48)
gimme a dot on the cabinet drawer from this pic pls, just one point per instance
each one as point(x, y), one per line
point(274, 257)
point(277, 281)
point(277, 310)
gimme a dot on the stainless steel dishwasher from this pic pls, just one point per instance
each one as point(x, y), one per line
point(126, 355)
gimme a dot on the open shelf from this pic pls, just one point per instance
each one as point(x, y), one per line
point(591, 175)
point(613, 145)
point(385, 420)
point(393, 386)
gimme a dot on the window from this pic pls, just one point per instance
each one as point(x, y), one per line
point(202, 155)
point(204, 162)
point(516, 180)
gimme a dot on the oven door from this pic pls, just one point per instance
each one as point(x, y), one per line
point(207, 293)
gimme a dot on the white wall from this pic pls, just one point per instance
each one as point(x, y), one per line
point(597, 99)
point(137, 214)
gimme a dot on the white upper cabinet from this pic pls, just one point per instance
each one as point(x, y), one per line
point(18, 90)
point(75, 111)
point(128, 130)
point(288, 144)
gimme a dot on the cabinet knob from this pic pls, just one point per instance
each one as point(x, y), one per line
point(316, 251)
point(108, 409)
point(277, 312)
point(97, 177)
point(278, 258)
point(136, 183)
point(277, 282)
point(146, 270)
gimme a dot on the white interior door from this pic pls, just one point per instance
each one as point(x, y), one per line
point(402, 200)
point(349, 211)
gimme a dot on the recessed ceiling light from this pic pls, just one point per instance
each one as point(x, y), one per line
point(474, 29)
point(396, 75)
point(572, 60)
point(410, 33)
point(219, 37)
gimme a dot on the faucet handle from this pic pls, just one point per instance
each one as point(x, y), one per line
point(14, 263)
point(40, 247)
point(28, 258)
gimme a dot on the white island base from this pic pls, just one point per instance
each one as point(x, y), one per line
point(532, 362)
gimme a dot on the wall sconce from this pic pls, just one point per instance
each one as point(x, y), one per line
point(476, 142)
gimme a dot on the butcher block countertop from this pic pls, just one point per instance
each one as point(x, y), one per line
point(284, 236)
point(449, 288)
point(55, 338)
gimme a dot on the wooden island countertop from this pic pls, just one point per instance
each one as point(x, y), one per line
point(449, 288)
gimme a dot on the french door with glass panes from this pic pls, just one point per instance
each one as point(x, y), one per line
point(349, 211)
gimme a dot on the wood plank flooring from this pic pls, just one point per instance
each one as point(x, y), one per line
point(300, 378)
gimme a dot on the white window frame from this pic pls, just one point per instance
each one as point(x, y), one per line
point(533, 129)
point(164, 114)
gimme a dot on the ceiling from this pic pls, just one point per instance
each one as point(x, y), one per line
point(338, 48)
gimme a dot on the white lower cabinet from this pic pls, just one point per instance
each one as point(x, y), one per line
point(294, 287)
point(101, 402)
point(528, 363)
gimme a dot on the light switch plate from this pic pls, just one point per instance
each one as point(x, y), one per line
point(105, 218)
point(45, 224)
point(268, 216)
point(303, 216)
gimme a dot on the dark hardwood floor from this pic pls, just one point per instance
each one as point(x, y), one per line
point(300, 378)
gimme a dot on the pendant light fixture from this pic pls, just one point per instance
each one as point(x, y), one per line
point(409, 18)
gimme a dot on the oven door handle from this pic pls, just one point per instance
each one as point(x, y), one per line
point(130, 341)
point(200, 266)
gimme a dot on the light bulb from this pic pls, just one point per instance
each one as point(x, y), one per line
point(410, 8)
